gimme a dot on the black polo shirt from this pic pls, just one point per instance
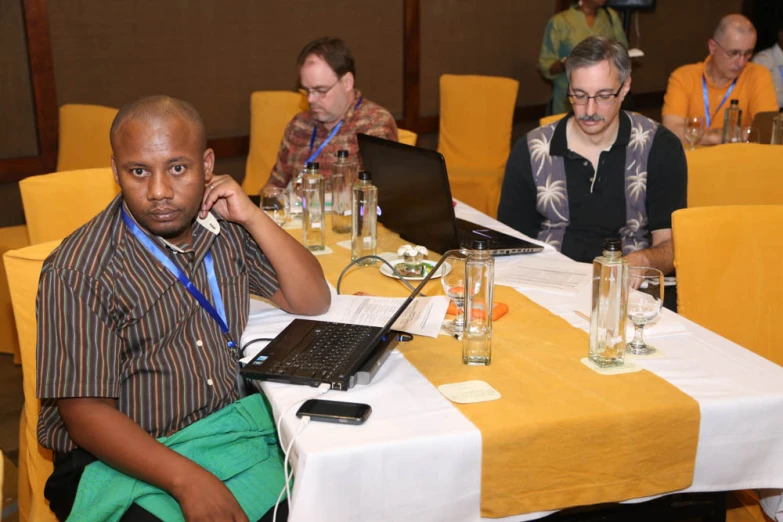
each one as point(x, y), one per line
point(600, 213)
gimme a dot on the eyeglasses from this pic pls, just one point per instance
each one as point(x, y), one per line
point(318, 92)
point(735, 53)
point(600, 98)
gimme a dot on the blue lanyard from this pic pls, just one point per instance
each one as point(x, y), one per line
point(780, 70)
point(707, 113)
point(328, 138)
point(219, 314)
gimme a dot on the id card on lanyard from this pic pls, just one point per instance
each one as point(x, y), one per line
point(314, 155)
point(217, 312)
point(707, 115)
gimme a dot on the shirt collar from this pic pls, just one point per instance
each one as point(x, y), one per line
point(559, 144)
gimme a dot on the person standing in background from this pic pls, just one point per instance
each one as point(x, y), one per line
point(563, 32)
point(772, 59)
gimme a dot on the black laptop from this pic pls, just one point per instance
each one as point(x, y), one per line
point(415, 200)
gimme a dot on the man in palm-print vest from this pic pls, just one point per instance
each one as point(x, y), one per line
point(599, 172)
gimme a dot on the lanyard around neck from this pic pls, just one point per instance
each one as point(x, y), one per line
point(336, 128)
point(708, 116)
point(218, 312)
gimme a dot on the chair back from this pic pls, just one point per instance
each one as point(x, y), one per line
point(23, 267)
point(57, 204)
point(763, 122)
point(735, 174)
point(546, 120)
point(270, 112)
point(476, 116)
point(83, 142)
point(729, 276)
point(407, 137)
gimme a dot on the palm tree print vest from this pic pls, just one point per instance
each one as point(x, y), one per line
point(552, 194)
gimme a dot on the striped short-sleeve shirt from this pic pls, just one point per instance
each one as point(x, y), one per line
point(113, 322)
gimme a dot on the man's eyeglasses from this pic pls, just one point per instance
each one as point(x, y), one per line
point(602, 98)
point(735, 53)
point(318, 92)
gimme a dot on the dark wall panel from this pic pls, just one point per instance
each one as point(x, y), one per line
point(492, 37)
point(214, 53)
point(18, 136)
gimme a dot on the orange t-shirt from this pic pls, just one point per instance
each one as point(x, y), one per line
point(684, 94)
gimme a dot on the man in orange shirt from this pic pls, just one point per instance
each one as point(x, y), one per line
point(705, 89)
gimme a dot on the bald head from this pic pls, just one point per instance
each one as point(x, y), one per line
point(733, 22)
point(155, 109)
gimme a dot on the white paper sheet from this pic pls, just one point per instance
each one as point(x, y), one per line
point(543, 273)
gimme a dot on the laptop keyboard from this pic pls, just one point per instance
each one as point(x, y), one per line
point(331, 344)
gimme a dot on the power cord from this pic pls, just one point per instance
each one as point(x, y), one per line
point(253, 341)
point(379, 258)
point(322, 389)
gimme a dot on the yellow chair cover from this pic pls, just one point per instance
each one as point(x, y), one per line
point(729, 276)
point(735, 174)
point(57, 204)
point(546, 120)
point(35, 463)
point(476, 115)
point(407, 137)
point(84, 136)
point(11, 238)
point(270, 112)
point(743, 506)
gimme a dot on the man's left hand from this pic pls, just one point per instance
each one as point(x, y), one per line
point(224, 196)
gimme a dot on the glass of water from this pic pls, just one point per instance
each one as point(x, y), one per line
point(645, 299)
point(274, 203)
point(454, 286)
point(694, 131)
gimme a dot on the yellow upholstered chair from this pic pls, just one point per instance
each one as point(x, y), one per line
point(83, 141)
point(476, 116)
point(729, 276)
point(57, 204)
point(407, 137)
point(735, 174)
point(546, 120)
point(11, 238)
point(270, 112)
point(35, 463)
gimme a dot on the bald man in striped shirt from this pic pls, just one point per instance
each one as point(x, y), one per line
point(127, 352)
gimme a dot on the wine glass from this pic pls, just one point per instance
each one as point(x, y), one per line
point(454, 286)
point(274, 203)
point(750, 135)
point(644, 304)
point(694, 131)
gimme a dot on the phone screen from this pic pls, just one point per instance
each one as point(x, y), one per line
point(335, 411)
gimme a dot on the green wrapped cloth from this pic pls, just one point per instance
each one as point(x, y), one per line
point(238, 444)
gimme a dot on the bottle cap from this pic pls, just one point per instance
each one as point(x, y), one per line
point(613, 244)
point(312, 165)
point(342, 153)
point(479, 244)
point(365, 175)
point(734, 102)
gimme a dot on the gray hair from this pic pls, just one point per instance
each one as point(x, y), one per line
point(596, 49)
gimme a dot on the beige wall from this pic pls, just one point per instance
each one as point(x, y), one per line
point(214, 53)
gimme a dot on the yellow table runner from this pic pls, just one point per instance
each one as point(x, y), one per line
point(561, 435)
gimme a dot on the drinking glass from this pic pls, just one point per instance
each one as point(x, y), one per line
point(694, 131)
point(274, 202)
point(644, 304)
point(750, 135)
point(454, 286)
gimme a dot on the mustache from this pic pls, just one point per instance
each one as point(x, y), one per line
point(594, 117)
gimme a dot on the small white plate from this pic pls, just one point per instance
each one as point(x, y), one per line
point(444, 269)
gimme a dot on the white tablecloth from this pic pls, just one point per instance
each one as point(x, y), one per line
point(418, 459)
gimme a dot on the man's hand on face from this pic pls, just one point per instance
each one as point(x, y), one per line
point(205, 498)
point(224, 195)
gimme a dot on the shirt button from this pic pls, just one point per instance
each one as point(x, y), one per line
point(199, 343)
point(210, 382)
point(585, 163)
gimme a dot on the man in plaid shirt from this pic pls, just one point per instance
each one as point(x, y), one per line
point(338, 111)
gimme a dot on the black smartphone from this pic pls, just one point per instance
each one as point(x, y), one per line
point(335, 411)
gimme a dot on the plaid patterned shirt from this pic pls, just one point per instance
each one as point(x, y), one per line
point(112, 322)
point(368, 118)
